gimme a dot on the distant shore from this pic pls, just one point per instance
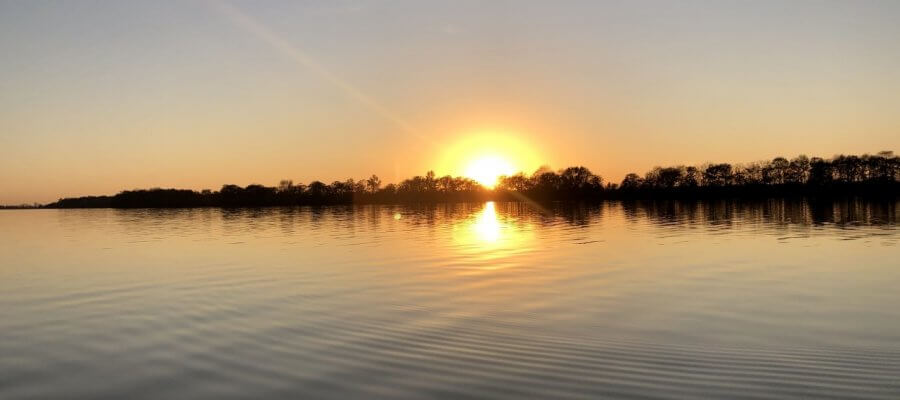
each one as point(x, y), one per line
point(841, 176)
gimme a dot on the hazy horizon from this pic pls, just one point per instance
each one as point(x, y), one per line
point(100, 97)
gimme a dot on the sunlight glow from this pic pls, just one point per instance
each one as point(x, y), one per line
point(487, 169)
point(486, 155)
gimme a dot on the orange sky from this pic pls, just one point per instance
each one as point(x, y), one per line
point(97, 99)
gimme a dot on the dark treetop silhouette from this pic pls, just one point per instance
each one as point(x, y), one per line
point(866, 175)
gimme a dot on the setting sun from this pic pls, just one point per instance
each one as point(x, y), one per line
point(486, 170)
point(484, 157)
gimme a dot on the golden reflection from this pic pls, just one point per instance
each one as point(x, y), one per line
point(491, 236)
point(487, 226)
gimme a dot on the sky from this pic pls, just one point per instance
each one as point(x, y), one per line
point(102, 96)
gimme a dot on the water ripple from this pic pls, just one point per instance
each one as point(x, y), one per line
point(778, 299)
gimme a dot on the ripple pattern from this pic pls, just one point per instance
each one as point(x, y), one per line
point(667, 300)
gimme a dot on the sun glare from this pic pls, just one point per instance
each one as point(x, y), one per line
point(486, 170)
point(484, 157)
point(488, 236)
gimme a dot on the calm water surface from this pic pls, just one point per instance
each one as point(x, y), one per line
point(636, 300)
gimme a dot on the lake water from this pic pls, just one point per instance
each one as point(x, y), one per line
point(776, 299)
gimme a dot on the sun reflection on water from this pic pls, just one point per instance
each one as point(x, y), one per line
point(487, 226)
point(491, 236)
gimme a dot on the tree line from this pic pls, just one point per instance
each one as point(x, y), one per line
point(877, 174)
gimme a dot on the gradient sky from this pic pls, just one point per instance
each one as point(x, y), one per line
point(96, 97)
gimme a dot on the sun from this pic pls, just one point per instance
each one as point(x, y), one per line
point(485, 155)
point(486, 170)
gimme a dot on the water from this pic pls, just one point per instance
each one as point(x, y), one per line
point(776, 299)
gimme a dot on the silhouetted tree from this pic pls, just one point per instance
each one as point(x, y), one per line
point(690, 178)
point(373, 184)
point(875, 175)
point(717, 175)
point(820, 172)
point(664, 178)
point(631, 182)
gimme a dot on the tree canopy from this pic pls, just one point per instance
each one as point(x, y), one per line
point(841, 175)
